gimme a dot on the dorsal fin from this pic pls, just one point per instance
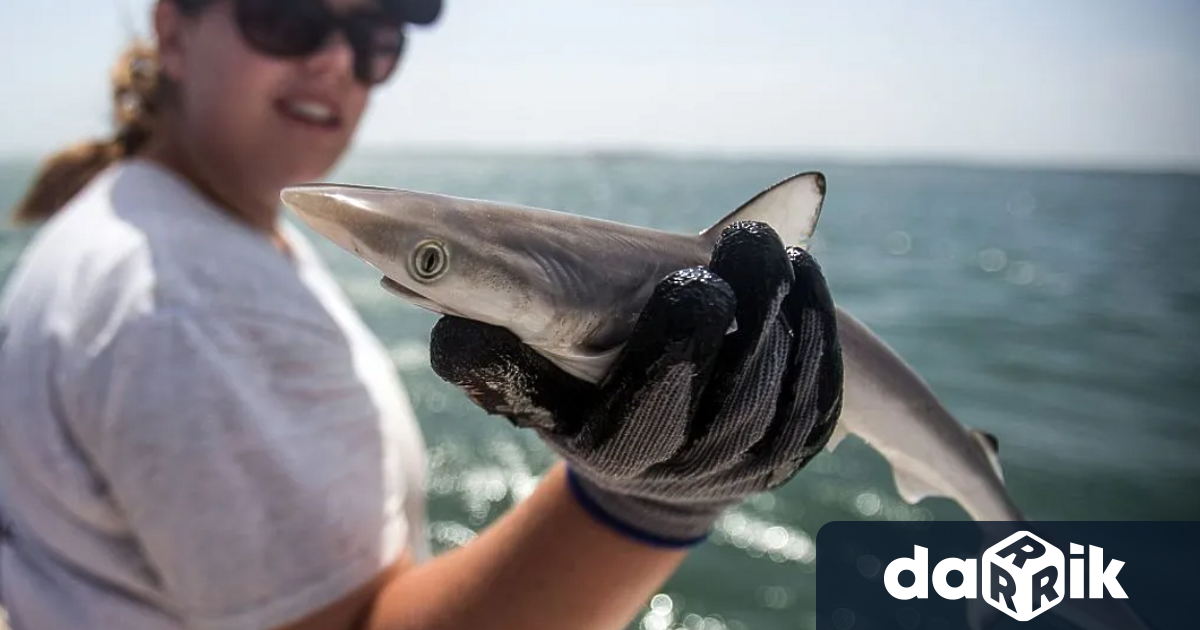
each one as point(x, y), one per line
point(791, 207)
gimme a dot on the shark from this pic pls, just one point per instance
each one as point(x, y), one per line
point(572, 287)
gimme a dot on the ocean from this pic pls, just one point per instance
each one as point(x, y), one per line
point(1059, 310)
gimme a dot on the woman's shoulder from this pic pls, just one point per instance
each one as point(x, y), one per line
point(138, 240)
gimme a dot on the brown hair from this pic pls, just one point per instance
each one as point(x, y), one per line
point(136, 97)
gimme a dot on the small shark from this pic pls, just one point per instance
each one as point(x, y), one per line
point(571, 287)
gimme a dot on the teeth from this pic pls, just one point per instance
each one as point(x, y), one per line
point(310, 110)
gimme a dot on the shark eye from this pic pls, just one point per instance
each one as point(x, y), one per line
point(429, 261)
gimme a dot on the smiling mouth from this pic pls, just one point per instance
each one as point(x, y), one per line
point(309, 113)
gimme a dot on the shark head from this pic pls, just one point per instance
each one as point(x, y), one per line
point(440, 253)
point(570, 286)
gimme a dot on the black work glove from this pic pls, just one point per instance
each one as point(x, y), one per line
point(690, 419)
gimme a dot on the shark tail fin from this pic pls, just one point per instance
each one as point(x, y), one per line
point(991, 448)
point(792, 207)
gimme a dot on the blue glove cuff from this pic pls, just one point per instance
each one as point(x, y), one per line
point(640, 535)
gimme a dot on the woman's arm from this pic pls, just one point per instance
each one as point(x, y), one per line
point(545, 564)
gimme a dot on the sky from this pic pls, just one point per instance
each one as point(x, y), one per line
point(1058, 82)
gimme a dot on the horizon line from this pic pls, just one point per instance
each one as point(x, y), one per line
point(834, 158)
point(882, 159)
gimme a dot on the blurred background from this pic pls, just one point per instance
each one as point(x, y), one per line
point(1014, 206)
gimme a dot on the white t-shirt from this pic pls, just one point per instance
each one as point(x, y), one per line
point(195, 429)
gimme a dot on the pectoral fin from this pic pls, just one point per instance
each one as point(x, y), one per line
point(913, 489)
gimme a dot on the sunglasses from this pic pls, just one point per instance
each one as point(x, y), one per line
point(298, 28)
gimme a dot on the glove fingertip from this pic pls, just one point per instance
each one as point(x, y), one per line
point(749, 254)
point(685, 319)
point(459, 347)
point(809, 294)
point(809, 288)
point(505, 377)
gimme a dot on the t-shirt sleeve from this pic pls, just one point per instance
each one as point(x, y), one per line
point(249, 461)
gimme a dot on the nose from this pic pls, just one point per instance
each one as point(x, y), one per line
point(335, 56)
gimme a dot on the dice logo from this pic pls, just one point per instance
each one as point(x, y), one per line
point(1023, 576)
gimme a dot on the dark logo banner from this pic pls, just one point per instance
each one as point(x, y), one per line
point(1007, 576)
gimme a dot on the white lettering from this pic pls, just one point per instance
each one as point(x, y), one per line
point(965, 567)
point(1091, 571)
point(1077, 578)
point(918, 565)
point(1098, 581)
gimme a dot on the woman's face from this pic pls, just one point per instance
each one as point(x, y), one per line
point(250, 120)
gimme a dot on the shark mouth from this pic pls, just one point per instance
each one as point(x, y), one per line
point(399, 290)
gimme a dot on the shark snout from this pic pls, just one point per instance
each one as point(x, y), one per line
point(337, 203)
point(325, 211)
point(306, 200)
point(356, 218)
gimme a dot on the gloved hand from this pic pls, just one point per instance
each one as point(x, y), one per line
point(689, 420)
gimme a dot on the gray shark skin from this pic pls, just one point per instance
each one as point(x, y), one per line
point(571, 287)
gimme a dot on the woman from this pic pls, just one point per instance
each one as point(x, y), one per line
point(196, 430)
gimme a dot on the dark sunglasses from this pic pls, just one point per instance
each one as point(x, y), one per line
point(297, 28)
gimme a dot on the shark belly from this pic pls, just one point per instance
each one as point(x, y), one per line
point(931, 454)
